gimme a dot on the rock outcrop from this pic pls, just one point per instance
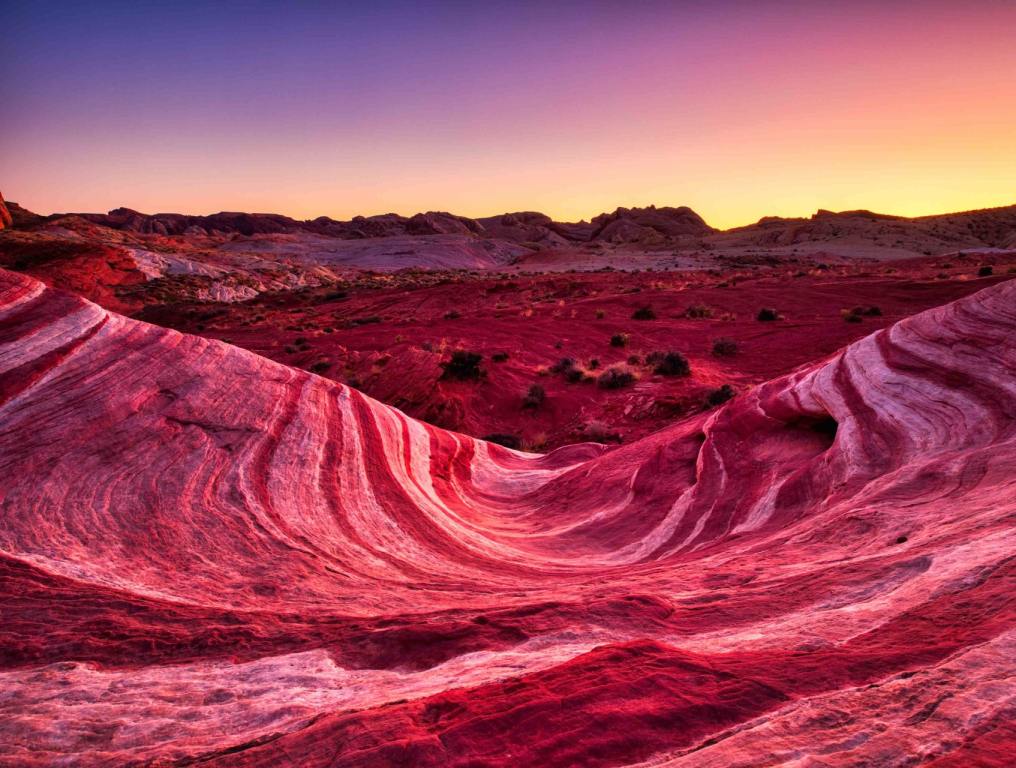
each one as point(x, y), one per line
point(5, 215)
point(210, 557)
point(649, 225)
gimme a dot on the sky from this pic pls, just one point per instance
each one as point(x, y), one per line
point(737, 109)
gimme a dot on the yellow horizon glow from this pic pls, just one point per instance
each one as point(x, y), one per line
point(885, 109)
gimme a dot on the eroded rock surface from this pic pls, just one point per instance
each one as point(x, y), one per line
point(208, 556)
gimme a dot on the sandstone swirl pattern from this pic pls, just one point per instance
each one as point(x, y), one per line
point(208, 556)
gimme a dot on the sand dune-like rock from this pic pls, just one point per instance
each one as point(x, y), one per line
point(208, 556)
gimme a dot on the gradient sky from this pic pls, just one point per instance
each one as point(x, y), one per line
point(738, 109)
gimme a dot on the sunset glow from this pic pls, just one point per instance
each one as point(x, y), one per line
point(738, 110)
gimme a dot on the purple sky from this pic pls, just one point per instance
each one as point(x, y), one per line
point(738, 109)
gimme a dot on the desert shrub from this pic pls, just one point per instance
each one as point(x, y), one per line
point(534, 397)
point(719, 395)
point(616, 377)
point(452, 315)
point(643, 313)
point(508, 441)
point(300, 341)
point(856, 314)
point(335, 296)
point(698, 311)
point(463, 365)
point(767, 314)
point(290, 349)
point(593, 363)
point(562, 365)
point(599, 432)
point(619, 340)
point(671, 364)
point(320, 366)
point(869, 311)
point(569, 369)
point(985, 271)
point(634, 360)
point(370, 320)
point(724, 347)
point(499, 357)
point(600, 314)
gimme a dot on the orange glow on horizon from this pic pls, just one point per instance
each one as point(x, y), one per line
point(907, 110)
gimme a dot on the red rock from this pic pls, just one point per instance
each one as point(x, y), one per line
point(208, 556)
point(5, 215)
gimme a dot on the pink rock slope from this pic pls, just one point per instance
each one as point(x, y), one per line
point(210, 558)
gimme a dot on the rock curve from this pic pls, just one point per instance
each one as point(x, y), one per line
point(209, 556)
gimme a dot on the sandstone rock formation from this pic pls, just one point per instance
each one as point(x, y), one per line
point(649, 225)
point(208, 556)
point(5, 215)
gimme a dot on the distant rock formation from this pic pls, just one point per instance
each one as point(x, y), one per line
point(647, 225)
point(5, 215)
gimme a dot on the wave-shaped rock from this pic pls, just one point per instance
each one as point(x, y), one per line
point(208, 556)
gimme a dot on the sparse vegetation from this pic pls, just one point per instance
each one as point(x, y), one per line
point(320, 366)
point(857, 314)
point(508, 441)
point(643, 313)
point(534, 397)
point(369, 320)
point(719, 395)
point(985, 271)
point(767, 315)
point(619, 340)
point(598, 432)
point(616, 377)
point(499, 357)
point(724, 347)
point(698, 311)
point(670, 363)
point(569, 368)
point(463, 365)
